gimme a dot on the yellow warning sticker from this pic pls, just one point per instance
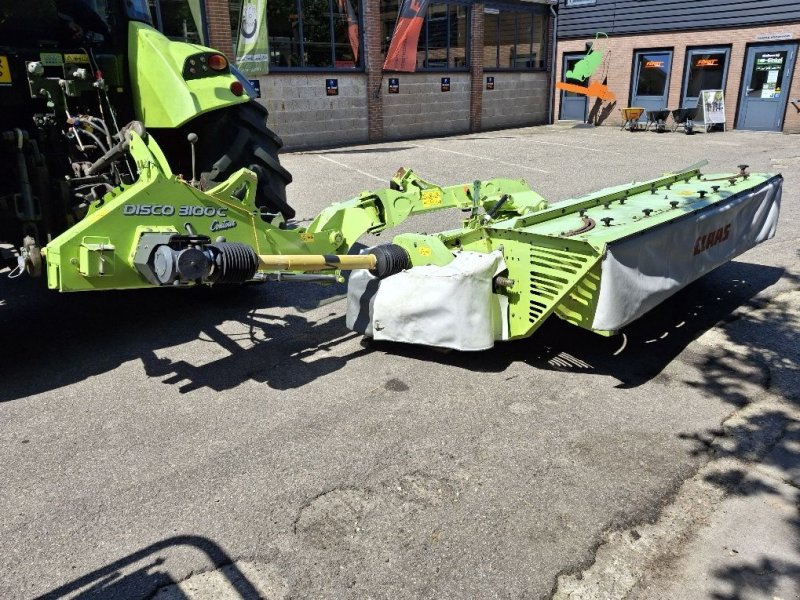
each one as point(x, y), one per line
point(424, 251)
point(306, 237)
point(431, 197)
point(76, 59)
point(5, 73)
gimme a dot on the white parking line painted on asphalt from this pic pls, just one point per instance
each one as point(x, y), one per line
point(587, 148)
point(528, 139)
point(502, 162)
point(336, 162)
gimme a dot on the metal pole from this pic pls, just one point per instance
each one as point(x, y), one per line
point(551, 109)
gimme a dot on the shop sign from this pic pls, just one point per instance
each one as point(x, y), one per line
point(394, 85)
point(445, 84)
point(771, 37)
point(490, 83)
point(332, 87)
point(707, 62)
point(581, 2)
point(654, 64)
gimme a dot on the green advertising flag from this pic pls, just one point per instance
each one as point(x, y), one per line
point(252, 51)
point(194, 8)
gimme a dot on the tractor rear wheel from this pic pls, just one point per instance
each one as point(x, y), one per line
point(238, 137)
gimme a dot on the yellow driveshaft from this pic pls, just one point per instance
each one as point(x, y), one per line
point(317, 262)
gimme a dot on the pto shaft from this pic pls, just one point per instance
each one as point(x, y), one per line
point(315, 262)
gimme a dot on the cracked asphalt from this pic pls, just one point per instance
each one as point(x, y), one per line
point(243, 443)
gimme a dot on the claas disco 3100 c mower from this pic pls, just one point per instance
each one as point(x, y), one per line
point(134, 161)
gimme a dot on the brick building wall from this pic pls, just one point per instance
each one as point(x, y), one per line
point(517, 100)
point(364, 111)
point(422, 108)
point(302, 113)
point(620, 67)
point(476, 67)
point(374, 65)
point(219, 26)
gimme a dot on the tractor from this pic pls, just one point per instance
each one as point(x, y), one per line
point(76, 76)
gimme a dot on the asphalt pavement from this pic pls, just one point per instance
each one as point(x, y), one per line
point(242, 443)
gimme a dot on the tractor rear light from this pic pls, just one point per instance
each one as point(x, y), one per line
point(237, 88)
point(207, 64)
point(217, 62)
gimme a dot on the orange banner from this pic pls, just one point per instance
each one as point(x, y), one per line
point(346, 10)
point(402, 53)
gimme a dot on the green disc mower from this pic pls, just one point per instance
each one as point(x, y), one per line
point(134, 161)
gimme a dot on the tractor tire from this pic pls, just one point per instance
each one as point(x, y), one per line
point(238, 137)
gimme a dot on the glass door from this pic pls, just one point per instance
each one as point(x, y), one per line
point(651, 80)
point(765, 89)
point(573, 104)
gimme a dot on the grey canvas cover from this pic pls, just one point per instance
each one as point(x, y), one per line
point(449, 307)
point(641, 272)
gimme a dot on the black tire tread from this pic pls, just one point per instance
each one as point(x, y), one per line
point(236, 138)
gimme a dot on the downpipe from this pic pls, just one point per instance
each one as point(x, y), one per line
point(551, 108)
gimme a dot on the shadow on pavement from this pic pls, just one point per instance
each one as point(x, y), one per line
point(766, 341)
point(61, 339)
point(640, 352)
point(748, 580)
point(110, 583)
point(52, 340)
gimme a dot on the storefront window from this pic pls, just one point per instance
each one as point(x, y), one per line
point(653, 74)
point(316, 33)
point(706, 72)
point(514, 39)
point(313, 34)
point(491, 18)
point(443, 36)
point(389, 11)
point(179, 19)
point(346, 35)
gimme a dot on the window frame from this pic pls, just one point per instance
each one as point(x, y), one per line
point(533, 10)
point(360, 66)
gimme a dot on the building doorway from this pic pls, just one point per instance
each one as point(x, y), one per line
point(707, 69)
point(765, 87)
point(573, 105)
point(651, 79)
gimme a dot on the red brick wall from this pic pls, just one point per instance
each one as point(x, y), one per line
point(620, 66)
point(476, 67)
point(219, 26)
point(374, 67)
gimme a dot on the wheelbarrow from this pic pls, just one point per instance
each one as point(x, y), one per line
point(658, 119)
point(630, 118)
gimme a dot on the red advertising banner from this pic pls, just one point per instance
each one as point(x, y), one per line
point(346, 10)
point(402, 54)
